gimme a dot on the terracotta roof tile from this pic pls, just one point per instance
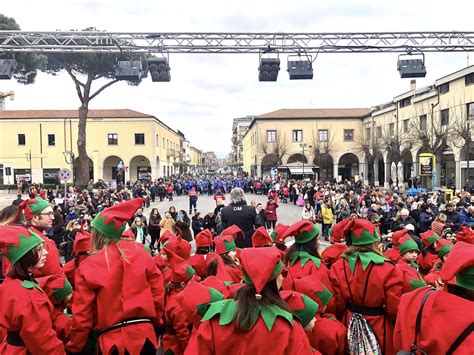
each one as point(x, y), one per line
point(61, 114)
point(316, 113)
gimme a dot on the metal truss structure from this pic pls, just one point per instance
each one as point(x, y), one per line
point(235, 42)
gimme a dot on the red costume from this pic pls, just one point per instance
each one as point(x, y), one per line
point(412, 279)
point(111, 289)
point(328, 335)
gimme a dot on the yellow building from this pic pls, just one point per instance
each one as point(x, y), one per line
point(367, 143)
point(196, 160)
point(41, 142)
point(321, 141)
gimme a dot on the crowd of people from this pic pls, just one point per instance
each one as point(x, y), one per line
point(398, 274)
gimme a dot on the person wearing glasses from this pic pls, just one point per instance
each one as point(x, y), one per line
point(39, 217)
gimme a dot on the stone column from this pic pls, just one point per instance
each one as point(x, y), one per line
point(98, 168)
point(335, 171)
point(376, 172)
point(387, 175)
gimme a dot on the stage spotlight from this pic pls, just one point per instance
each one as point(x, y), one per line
point(300, 68)
point(129, 70)
point(159, 69)
point(7, 68)
point(411, 68)
point(268, 69)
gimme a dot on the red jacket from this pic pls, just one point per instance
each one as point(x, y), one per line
point(333, 253)
point(444, 317)
point(27, 310)
point(284, 338)
point(328, 335)
point(271, 211)
point(427, 261)
point(111, 289)
point(235, 273)
point(411, 277)
point(384, 289)
point(178, 327)
point(52, 265)
point(69, 269)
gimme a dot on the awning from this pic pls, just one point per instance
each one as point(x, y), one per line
point(299, 171)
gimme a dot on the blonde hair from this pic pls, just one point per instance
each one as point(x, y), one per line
point(363, 249)
point(101, 241)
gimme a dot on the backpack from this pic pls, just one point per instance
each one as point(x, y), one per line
point(361, 338)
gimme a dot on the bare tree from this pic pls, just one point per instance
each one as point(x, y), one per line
point(278, 148)
point(321, 147)
point(394, 143)
point(370, 147)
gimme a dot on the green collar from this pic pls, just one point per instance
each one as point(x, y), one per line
point(365, 259)
point(227, 310)
point(414, 265)
point(417, 283)
point(30, 284)
point(304, 258)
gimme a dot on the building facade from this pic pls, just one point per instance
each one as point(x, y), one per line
point(240, 126)
point(40, 143)
point(368, 144)
point(196, 160)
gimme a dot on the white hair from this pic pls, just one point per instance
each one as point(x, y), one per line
point(237, 195)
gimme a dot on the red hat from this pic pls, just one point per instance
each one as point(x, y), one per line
point(179, 246)
point(260, 265)
point(261, 238)
point(312, 287)
point(333, 253)
point(466, 235)
point(199, 264)
point(111, 222)
point(128, 234)
point(224, 244)
point(32, 207)
point(336, 233)
point(429, 237)
point(166, 236)
point(459, 268)
point(181, 271)
point(204, 239)
point(279, 232)
point(56, 287)
point(82, 243)
point(361, 232)
point(216, 283)
point(302, 231)
point(222, 273)
point(396, 236)
point(374, 218)
point(303, 307)
point(443, 247)
point(195, 299)
point(233, 230)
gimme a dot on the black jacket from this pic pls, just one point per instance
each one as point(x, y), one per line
point(242, 216)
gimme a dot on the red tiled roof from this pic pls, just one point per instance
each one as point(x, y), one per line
point(123, 113)
point(316, 113)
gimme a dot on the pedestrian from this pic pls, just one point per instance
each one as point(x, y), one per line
point(183, 223)
point(209, 221)
point(197, 223)
point(240, 214)
point(119, 291)
point(193, 197)
point(327, 217)
point(271, 212)
point(241, 325)
point(140, 231)
point(81, 249)
point(172, 211)
point(367, 289)
point(154, 228)
point(409, 251)
point(308, 213)
point(26, 311)
point(450, 305)
point(226, 249)
point(261, 218)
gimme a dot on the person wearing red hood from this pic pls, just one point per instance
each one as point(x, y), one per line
point(177, 326)
point(408, 250)
point(257, 319)
point(203, 248)
point(226, 249)
point(26, 311)
point(261, 238)
point(428, 256)
point(277, 236)
point(367, 287)
point(39, 216)
point(119, 293)
point(443, 250)
point(465, 235)
point(336, 237)
point(442, 321)
point(80, 251)
point(394, 253)
point(302, 258)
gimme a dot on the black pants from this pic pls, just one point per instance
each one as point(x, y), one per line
point(271, 224)
point(192, 203)
point(154, 236)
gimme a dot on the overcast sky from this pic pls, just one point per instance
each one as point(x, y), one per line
point(207, 91)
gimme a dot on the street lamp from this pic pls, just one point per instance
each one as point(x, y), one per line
point(303, 146)
point(28, 158)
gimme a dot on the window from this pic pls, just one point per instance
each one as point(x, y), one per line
point(367, 132)
point(51, 140)
point(379, 132)
point(391, 129)
point(405, 102)
point(21, 139)
point(444, 117)
point(406, 125)
point(348, 135)
point(443, 88)
point(271, 136)
point(139, 138)
point(157, 141)
point(323, 135)
point(297, 135)
point(469, 79)
point(423, 121)
point(112, 138)
point(470, 111)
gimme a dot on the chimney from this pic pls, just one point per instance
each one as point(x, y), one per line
point(413, 85)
